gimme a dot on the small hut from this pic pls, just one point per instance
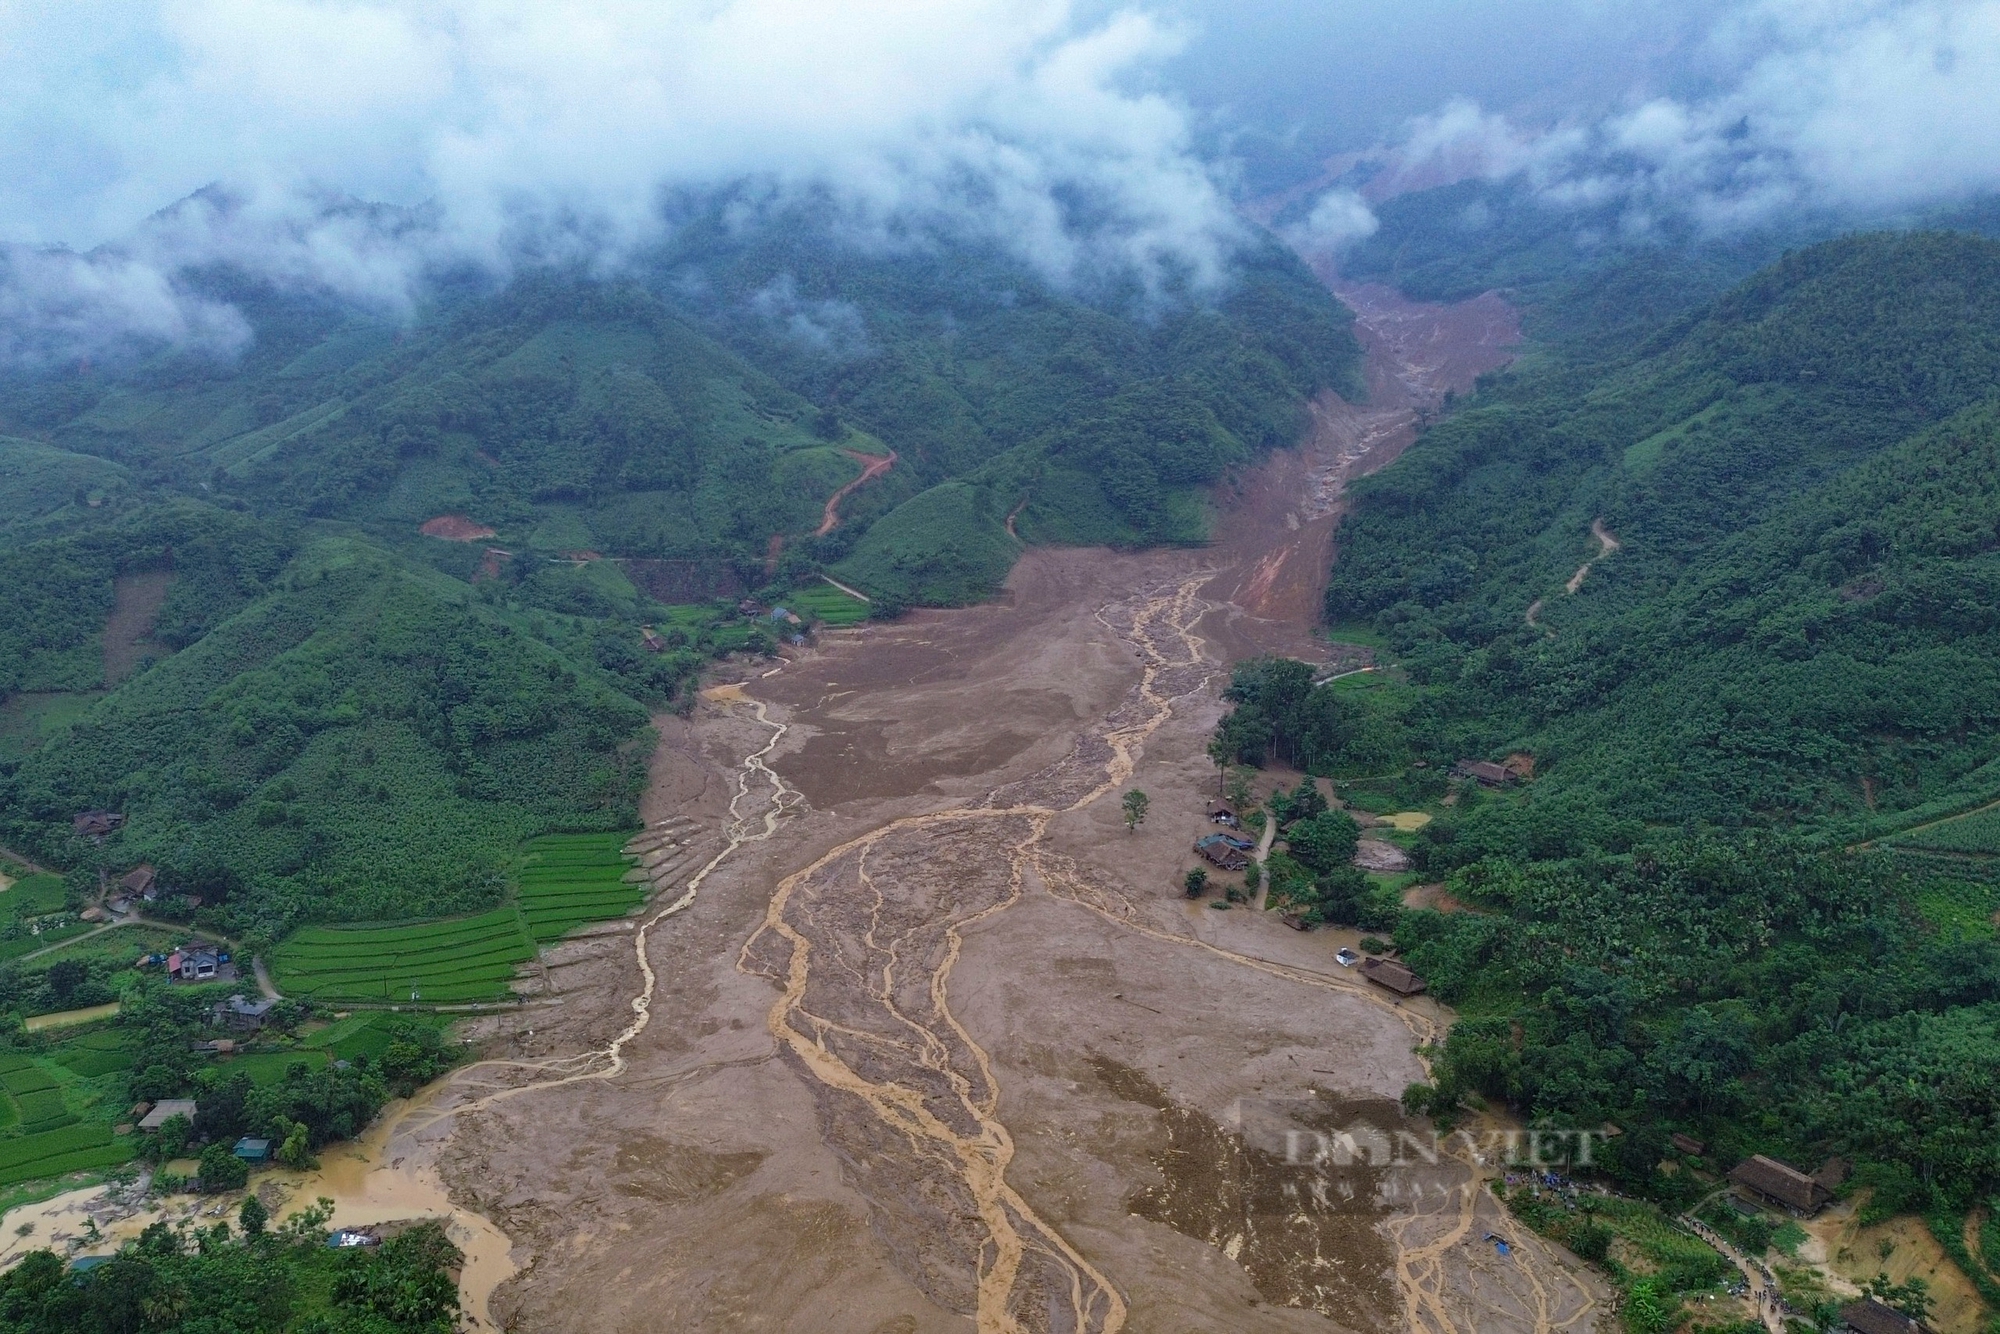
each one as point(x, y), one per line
point(1389, 974)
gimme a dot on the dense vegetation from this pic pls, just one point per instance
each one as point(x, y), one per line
point(367, 740)
point(1760, 994)
point(700, 408)
point(260, 1281)
point(1802, 482)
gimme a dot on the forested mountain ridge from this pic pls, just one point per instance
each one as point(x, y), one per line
point(609, 412)
point(1789, 627)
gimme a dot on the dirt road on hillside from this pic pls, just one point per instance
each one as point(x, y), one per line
point(935, 1044)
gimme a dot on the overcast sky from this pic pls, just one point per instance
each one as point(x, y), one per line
point(539, 127)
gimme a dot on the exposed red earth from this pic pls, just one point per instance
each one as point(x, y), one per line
point(456, 528)
point(872, 466)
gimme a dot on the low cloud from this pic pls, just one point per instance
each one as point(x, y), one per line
point(830, 328)
point(1864, 107)
point(504, 131)
point(1338, 219)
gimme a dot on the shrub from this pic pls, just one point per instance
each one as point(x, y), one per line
point(222, 1169)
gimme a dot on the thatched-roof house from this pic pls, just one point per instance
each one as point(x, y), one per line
point(1768, 1181)
point(1393, 976)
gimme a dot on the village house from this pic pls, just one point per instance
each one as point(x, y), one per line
point(165, 1110)
point(1687, 1144)
point(1395, 977)
point(1764, 1180)
point(137, 880)
point(1869, 1316)
point(253, 1150)
point(96, 824)
point(1485, 774)
point(1217, 851)
point(199, 963)
point(243, 1016)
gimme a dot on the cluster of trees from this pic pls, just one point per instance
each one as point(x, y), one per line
point(1279, 715)
point(61, 984)
point(261, 1281)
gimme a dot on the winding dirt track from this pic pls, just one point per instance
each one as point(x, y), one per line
point(930, 1011)
point(872, 466)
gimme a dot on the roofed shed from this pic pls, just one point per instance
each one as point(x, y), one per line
point(166, 1109)
point(1488, 775)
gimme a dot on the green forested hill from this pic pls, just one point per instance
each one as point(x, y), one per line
point(699, 411)
point(1801, 484)
point(363, 739)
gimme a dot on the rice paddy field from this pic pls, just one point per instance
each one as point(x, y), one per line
point(74, 1148)
point(99, 1052)
point(35, 1095)
point(566, 880)
point(826, 604)
point(570, 879)
point(461, 959)
point(42, 1136)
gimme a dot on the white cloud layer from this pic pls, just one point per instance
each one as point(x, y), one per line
point(550, 128)
point(1861, 106)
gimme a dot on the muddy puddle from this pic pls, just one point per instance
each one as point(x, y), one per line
point(387, 1177)
point(1296, 1192)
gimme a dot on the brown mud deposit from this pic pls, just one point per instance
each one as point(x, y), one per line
point(936, 1044)
point(1280, 523)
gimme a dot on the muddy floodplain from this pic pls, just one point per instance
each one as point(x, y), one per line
point(929, 1040)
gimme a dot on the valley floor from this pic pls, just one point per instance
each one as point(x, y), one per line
point(936, 1044)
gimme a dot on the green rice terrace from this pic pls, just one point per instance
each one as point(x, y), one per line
point(566, 881)
point(43, 1137)
point(827, 605)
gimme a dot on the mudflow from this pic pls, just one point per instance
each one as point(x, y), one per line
point(918, 1037)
